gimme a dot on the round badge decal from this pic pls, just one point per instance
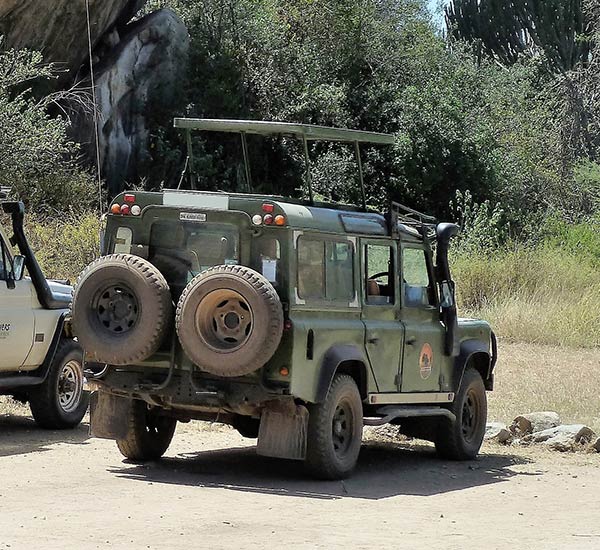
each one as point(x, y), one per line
point(426, 361)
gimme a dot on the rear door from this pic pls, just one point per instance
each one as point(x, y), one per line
point(424, 360)
point(384, 332)
point(16, 315)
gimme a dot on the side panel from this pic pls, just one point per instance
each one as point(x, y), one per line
point(46, 322)
point(313, 336)
point(16, 324)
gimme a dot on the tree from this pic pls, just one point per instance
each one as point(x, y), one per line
point(37, 160)
point(508, 29)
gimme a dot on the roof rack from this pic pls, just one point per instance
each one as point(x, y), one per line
point(400, 214)
point(302, 132)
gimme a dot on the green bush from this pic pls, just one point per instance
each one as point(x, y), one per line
point(37, 159)
point(63, 247)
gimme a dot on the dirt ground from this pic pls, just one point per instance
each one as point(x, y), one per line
point(66, 490)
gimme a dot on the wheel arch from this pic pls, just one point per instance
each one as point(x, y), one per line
point(481, 356)
point(62, 330)
point(344, 359)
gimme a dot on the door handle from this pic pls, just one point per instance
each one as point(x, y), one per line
point(373, 341)
point(411, 341)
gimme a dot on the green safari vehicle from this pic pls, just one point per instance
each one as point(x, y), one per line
point(295, 322)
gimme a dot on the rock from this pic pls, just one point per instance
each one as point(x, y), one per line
point(140, 78)
point(534, 422)
point(596, 445)
point(58, 28)
point(563, 443)
point(496, 431)
point(560, 435)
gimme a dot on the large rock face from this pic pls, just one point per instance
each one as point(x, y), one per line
point(58, 28)
point(138, 80)
point(137, 65)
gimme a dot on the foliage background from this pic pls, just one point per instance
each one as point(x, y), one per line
point(504, 143)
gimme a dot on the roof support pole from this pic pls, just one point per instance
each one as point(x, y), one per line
point(246, 162)
point(360, 175)
point(308, 177)
point(188, 136)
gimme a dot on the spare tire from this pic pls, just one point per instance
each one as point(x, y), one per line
point(229, 320)
point(122, 309)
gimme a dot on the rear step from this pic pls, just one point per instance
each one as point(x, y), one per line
point(392, 412)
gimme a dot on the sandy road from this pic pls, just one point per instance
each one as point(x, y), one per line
point(65, 490)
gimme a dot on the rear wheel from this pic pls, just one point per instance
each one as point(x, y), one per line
point(60, 401)
point(335, 431)
point(461, 439)
point(148, 434)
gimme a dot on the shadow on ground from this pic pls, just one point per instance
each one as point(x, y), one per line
point(384, 470)
point(20, 435)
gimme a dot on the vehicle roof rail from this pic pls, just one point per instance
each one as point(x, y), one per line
point(4, 192)
point(401, 214)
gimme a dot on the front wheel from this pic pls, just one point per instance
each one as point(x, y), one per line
point(148, 434)
point(335, 431)
point(60, 402)
point(462, 438)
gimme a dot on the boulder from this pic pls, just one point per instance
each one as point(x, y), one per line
point(58, 28)
point(596, 445)
point(534, 422)
point(498, 432)
point(136, 82)
point(561, 435)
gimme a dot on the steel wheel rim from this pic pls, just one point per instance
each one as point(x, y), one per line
point(342, 428)
point(470, 416)
point(70, 386)
point(117, 308)
point(224, 320)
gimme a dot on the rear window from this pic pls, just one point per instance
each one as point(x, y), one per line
point(181, 251)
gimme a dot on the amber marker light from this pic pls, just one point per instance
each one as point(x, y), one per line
point(284, 371)
point(279, 220)
point(115, 209)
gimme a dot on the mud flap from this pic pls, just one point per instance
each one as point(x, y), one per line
point(282, 433)
point(109, 415)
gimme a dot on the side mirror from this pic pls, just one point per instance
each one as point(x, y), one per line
point(448, 296)
point(18, 267)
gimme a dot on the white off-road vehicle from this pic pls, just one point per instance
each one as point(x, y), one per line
point(40, 363)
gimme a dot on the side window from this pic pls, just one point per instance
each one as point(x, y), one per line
point(339, 271)
point(311, 269)
point(379, 278)
point(266, 255)
point(418, 290)
point(325, 270)
point(123, 240)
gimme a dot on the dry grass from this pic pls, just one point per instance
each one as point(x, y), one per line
point(536, 295)
point(532, 377)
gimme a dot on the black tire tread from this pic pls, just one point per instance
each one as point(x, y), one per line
point(448, 443)
point(154, 278)
point(318, 459)
point(42, 399)
point(134, 446)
